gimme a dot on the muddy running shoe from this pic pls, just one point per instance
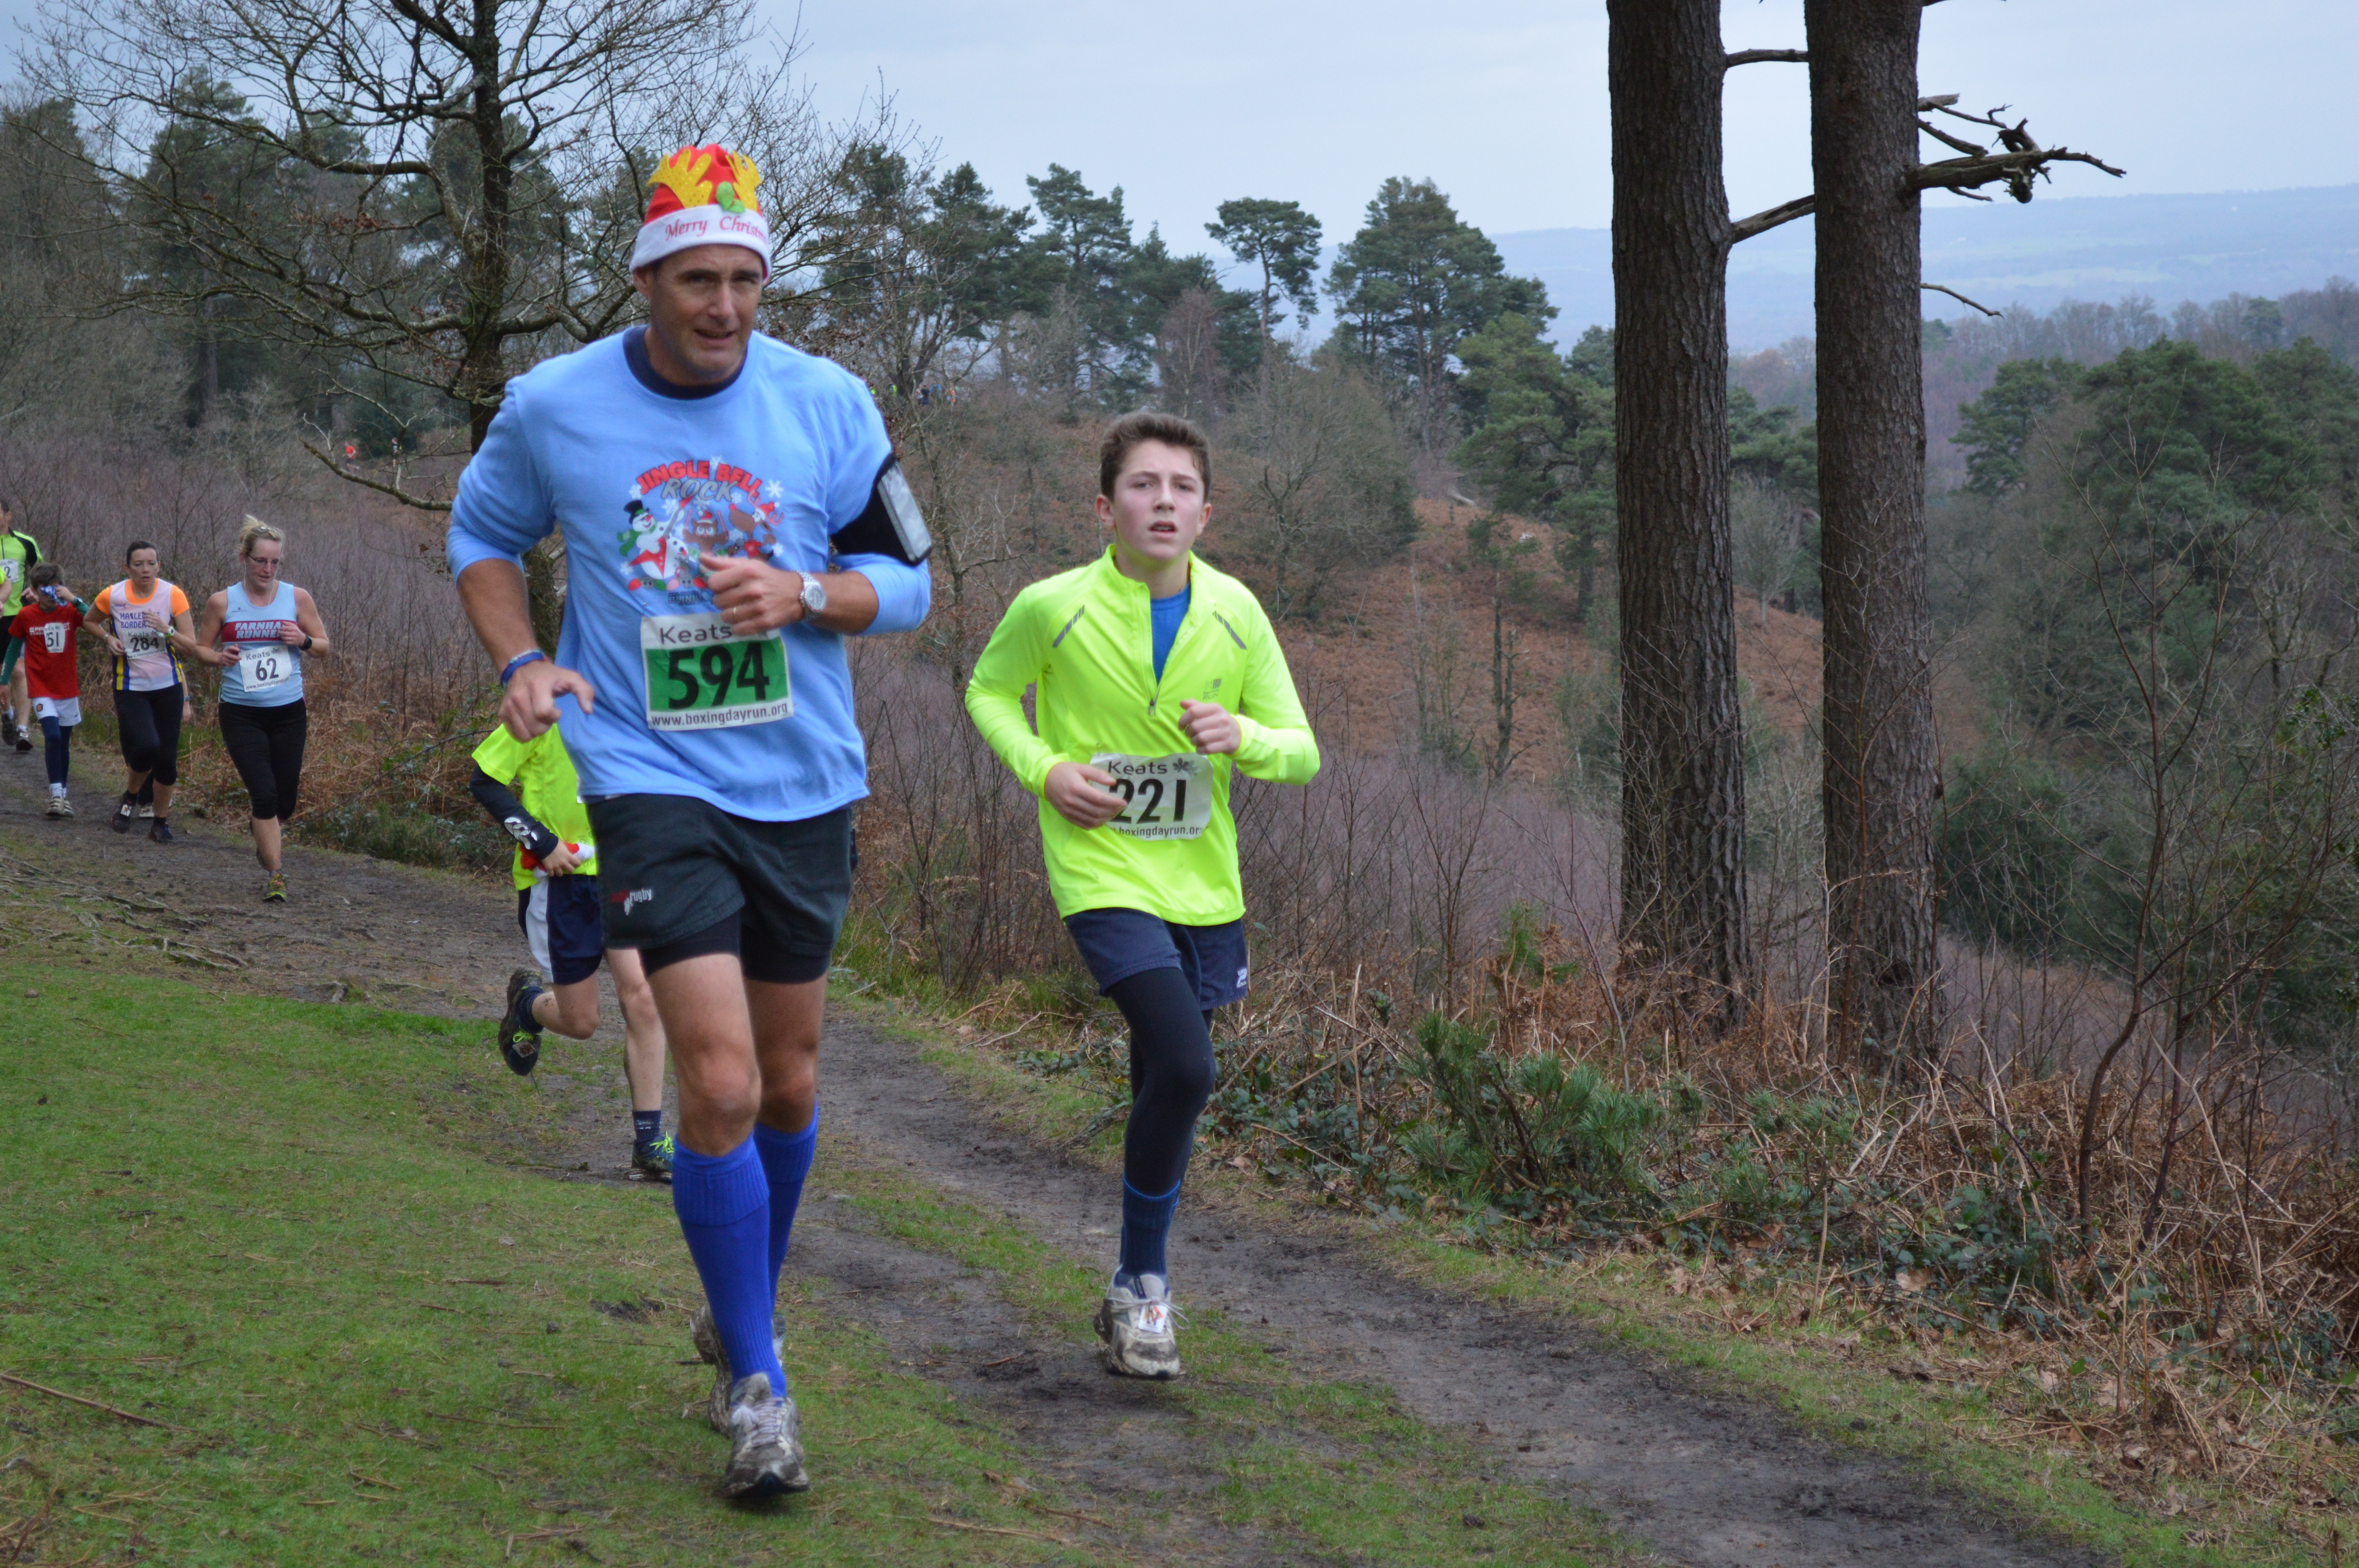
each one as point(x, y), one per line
point(60, 807)
point(518, 1037)
point(123, 810)
point(653, 1161)
point(1138, 1329)
point(706, 1337)
point(765, 1449)
point(159, 831)
point(21, 735)
point(274, 888)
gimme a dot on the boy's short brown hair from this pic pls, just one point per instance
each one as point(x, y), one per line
point(43, 575)
point(1132, 429)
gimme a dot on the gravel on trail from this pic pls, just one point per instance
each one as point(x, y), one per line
point(1701, 1476)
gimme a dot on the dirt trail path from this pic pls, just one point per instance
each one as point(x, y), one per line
point(1704, 1478)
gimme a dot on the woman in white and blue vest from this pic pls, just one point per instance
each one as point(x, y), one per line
point(259, 631)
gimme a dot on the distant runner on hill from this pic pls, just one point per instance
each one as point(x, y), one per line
point(1157, 677)
point(732, 511)
point(258, 631)
point(18, 555)
point(46, 633)
point(532, 792)
point(144, 620)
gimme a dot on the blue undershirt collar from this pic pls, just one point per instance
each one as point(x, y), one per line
point(1167, 614)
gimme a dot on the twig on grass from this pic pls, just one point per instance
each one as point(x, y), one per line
point(93, 1404)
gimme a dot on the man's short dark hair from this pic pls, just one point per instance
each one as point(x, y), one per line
point(137, 545)
point(1132, 429)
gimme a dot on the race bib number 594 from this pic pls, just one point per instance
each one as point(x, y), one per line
point(703, 676)
point(1166, 797)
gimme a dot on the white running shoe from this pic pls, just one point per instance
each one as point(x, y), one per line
point(60, 807)
point(765, 1449)
point(706, 1337)
point(1140, 1329)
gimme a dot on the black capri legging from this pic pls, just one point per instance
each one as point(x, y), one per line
point(266, 744)
point(150, 721)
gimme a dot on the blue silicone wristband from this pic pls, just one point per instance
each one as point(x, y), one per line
point(528, 656)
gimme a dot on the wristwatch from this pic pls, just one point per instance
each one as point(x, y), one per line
point(814, 596)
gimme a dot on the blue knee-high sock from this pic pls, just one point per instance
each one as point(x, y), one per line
point(56, 749)
point(786, 1164)
point(1146, 1224)
point(724, 1205)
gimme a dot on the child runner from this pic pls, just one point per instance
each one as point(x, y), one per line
point(732, 513)
point(145, 613)
point(1156, 677)
point(44, 632)
point(532, 792)
point(259, 631)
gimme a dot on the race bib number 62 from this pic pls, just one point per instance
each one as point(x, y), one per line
point(703, 676)
point(1166, 797)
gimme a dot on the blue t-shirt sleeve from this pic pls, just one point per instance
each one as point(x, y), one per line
point(504, 507)
point(862, 446)
point(904, 592)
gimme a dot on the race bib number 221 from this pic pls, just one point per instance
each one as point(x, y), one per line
point(1164, 798)
point(703, 676)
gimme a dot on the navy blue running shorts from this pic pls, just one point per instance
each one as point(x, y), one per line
point(562, 921)
point(1119, 943)
point(683, 878)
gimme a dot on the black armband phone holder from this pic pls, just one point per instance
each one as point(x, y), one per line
point(890, 524)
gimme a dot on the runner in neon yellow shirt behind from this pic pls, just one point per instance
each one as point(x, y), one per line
point(1158, 677)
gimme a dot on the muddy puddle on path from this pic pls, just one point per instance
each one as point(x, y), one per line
point(1704, 1478)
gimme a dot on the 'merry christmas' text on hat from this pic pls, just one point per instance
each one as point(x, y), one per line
point(703, 196)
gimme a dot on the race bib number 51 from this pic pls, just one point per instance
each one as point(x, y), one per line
point(703, 676)
point(1167, 797)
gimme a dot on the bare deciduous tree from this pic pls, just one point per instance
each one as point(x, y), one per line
point(431, 195)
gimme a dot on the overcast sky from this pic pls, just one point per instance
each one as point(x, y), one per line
point(1504, 104)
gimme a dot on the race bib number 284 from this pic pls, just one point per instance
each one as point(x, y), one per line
point(1164, 798)
point(703, 676)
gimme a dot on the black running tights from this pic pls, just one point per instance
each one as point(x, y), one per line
point(266, 745)
point(151, 731)
point(1170, 1076)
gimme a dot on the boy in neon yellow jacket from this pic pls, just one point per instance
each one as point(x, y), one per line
point(1158, 677)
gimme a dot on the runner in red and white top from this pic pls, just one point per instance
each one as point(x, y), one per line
point(45, 632)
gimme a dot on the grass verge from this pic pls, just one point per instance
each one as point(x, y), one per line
point(332, 1319)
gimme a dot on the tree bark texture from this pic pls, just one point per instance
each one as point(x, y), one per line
point(1683, 886)
point(1881, 776)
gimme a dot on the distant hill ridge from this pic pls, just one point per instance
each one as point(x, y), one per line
point(2173, 248)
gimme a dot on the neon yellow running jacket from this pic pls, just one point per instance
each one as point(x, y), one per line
point(1084, 638)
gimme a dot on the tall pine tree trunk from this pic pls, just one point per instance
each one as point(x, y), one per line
point(1881, 773)
point(1683, 893)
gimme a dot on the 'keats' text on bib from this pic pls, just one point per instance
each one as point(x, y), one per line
point(1167, 798)
point(703, 676)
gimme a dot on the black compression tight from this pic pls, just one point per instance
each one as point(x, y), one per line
point(151, 731)
point(1170, 1076)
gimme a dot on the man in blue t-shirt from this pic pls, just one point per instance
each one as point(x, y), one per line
point(732, 511)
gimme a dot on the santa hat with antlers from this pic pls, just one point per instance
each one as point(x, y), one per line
point(703, 196)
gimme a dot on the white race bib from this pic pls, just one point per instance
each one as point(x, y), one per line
point(142, 641)
point(703, 676)
point(1170, 798)
point(263, 669)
